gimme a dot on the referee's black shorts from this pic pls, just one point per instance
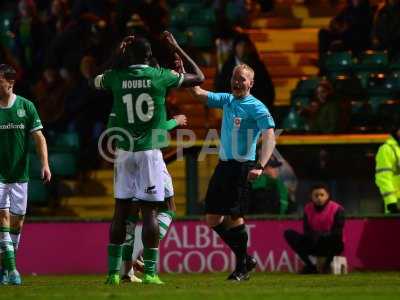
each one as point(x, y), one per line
point(228, 190)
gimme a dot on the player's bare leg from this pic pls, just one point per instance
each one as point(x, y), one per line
point(164, 217)
point(117, 237)
point(17, 222)
point(127, 247)
point(9, 272)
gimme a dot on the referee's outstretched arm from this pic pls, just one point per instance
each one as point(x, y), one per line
point(198, 93)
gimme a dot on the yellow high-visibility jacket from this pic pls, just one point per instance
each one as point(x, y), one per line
point(387, 171)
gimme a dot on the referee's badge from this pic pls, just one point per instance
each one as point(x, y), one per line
point(237, 121)
point(21, 113)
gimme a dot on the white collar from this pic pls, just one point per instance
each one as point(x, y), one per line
point(13, 98)
point(139, 66)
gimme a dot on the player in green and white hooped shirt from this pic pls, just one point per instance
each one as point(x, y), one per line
point(18, 122)
point(139, 103)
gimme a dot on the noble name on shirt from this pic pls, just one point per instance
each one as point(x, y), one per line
point(136, 84)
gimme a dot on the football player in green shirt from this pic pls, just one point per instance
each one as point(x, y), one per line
point(139, 170)
point(19, 121)
point(130, 259)
point(165, 215)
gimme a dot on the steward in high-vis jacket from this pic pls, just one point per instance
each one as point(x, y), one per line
point(387, 172)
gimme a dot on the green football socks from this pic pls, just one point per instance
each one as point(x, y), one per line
point(150, 256)
point(7, 249)
point(114, 258)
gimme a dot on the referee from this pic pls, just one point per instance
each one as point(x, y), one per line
point(244, 119)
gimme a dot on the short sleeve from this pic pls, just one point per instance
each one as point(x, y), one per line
point(217, 100)
point(104, 81)
point(34, 121)
point(262, 116)
point(170, 78)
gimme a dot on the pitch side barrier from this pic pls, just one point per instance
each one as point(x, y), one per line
point(351, 166)
point(303, 139)
point(49, 246)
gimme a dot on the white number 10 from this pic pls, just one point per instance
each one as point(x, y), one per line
point(142, 98)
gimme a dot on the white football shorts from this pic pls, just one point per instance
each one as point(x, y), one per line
point(14, 196)
point(141, 176)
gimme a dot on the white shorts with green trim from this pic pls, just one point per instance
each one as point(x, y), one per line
point(14, 196)
point(141, 176)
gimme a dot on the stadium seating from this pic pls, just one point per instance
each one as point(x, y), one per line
point(377, 100)
point(368, 83)
point(289, 49)
point(38, 193)
point(204, 16)
point(180, 35)
point(231, 11)
point(363, 77)
point(338, 62)
point(63, 164)
point(6, 19)
point(294, 122)
point(372, 61)
point(35, 165)
point(393, 83)
point(377, 87)
point(179, 16)
point(395, 64)
point(191, 24)
point(389, 114)
point(68, 140)
point(199, 37)
point(348, 87)
point(63, 149)
point(300, 101)
point(306, 87)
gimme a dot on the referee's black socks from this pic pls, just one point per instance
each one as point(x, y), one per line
point(236, 238)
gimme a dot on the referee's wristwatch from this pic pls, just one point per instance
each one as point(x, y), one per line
point(259, 166)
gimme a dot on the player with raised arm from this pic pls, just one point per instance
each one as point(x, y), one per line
point(130, 259)
point(245, 118)
point(19, 121)
point(139, 181)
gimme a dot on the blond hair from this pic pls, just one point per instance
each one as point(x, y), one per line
point(246, 68)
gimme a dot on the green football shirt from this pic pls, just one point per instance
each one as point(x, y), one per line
point(168, 125)
point(139, 105)
point(17, 122)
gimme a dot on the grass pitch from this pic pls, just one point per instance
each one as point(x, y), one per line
point(213, 286)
